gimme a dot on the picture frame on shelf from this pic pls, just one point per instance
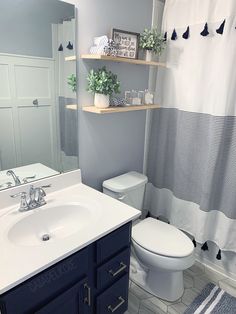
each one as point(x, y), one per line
point(128, 43)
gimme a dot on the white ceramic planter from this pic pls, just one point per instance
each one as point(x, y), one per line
point(101, 101)
point(149, 55)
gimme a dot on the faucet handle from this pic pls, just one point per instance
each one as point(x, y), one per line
point(25, 180)
point(41, 194)
point(23, 202)
point(45, 186)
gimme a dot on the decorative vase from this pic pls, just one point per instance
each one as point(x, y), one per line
point(148, 55)
point(101, 100)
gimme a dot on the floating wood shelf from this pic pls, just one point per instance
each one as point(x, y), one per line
point(71, 58)
point(118, 59)
point(94, 109)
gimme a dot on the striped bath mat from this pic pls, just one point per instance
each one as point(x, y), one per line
point(213, 300)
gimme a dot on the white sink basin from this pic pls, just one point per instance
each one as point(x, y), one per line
point(55, 222)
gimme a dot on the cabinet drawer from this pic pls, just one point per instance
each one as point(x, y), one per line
point(113, 243)
point(40, 289)
point(114, 299)
point(113, 269)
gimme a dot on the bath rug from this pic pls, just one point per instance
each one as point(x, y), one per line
point(212, 300)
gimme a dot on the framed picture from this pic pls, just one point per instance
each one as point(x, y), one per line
point(127, 43)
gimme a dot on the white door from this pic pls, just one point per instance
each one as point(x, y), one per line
point(29, 94)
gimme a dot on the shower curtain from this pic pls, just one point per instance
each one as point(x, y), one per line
point(192, 148)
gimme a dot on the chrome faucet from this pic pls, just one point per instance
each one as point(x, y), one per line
point(14, 176)
point(34, 199)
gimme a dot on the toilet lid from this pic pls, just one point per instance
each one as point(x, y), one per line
point(161, 238)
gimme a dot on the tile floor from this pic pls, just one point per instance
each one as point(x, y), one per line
point(195, 279)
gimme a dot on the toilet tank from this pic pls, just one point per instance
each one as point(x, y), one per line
point(128, 188)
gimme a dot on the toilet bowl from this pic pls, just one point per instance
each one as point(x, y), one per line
point(162, 250)
point(165, 251)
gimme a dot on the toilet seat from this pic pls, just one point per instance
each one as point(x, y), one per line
point(161, 238)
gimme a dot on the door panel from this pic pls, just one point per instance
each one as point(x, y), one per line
point(7, 142)
point(4, 82)
point(32, 82)
point(36, 135)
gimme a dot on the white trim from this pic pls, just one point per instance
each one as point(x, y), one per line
point(24, 56)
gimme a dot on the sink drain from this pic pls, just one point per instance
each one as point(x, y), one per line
point(45, 237)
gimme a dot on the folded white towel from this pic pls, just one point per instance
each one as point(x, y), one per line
point(97, 50)
point(101, 41)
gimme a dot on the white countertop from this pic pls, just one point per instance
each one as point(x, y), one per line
point(19, 262)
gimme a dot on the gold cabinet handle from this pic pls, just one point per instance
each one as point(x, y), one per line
point(87, 299)
point(115, 273)
point(113, 309)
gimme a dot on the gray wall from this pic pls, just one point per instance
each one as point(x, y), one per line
point(111, 144)
point(25, 25)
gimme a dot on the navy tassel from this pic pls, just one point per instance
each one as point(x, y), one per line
point(186, 33)
point(69, 46)
point(148, 214)
point(165, 36)
point(220, 30)
point(205, 30)
point(174, 35)
point(205, 247)
point(194, 243)
point(60, 48)
point(218, 256)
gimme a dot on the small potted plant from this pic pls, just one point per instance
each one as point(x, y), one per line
point(152, 42)
point(103, 84)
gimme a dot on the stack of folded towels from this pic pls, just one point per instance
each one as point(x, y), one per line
point(99, 44)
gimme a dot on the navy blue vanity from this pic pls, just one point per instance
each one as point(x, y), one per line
point(92, 280)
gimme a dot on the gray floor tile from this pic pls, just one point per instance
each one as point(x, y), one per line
point(178, 308)
point(133, 304)
point(196, 270)
point(200, 282)
point(148, 305)
point(139, 292)
point(189, 295)
point(188, 281)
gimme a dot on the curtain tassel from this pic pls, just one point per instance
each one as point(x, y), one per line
point(148, 214)
point(174, 35)
point(69, 46)
point(194, 242)
point(165, 36)
point(205, 247)
point(186, 33)
point(218, 256)
point(60, 48)
point(205, 30)
point(220, 30)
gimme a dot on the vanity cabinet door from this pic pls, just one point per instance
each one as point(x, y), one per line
point(76, 300)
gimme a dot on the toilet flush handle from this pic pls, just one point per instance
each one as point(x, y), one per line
point(121, 197)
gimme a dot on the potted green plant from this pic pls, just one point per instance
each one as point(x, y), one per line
point(152, 42)
point(102, 83)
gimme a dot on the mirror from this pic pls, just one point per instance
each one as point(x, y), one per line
point(38, 103)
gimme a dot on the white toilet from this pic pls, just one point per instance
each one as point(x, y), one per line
point(162, 250)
